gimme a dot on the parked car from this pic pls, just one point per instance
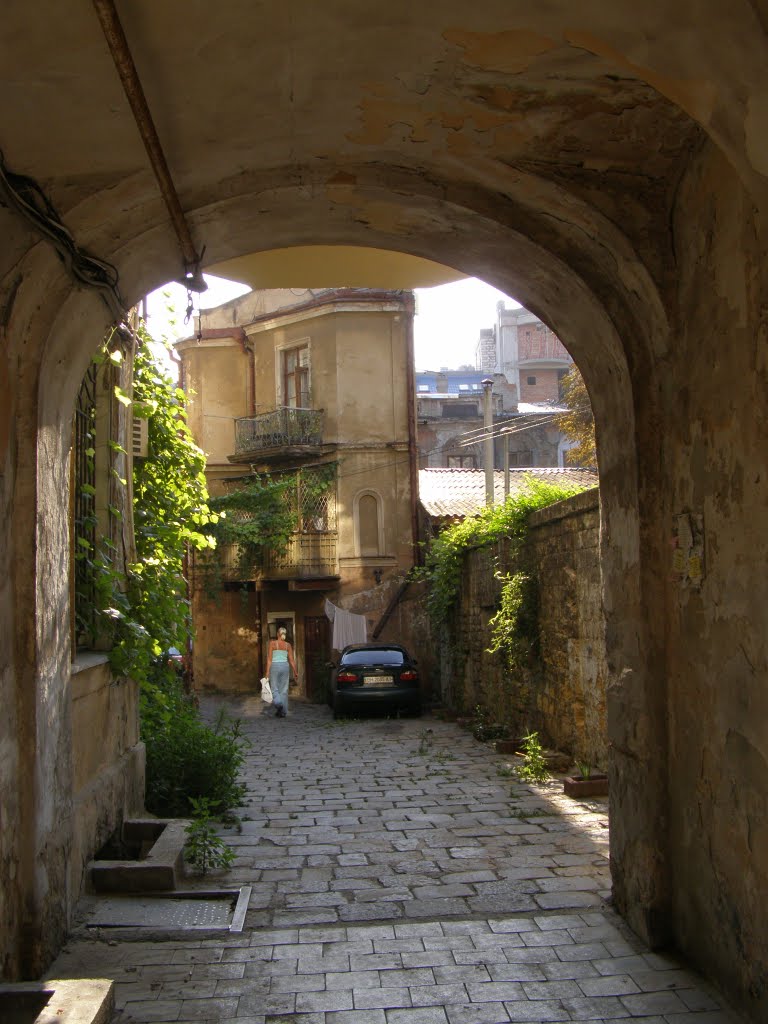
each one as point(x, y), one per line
point(374, 676)
point(174, 659)
point(177, 662)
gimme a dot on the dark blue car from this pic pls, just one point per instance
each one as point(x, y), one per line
point(374, 677)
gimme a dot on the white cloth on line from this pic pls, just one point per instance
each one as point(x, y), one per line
point(348, 628)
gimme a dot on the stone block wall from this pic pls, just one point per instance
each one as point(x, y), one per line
point(563, 696)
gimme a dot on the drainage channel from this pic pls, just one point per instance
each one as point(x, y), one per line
point(216, 911)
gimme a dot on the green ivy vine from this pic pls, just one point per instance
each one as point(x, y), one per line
point(445, 556)
point(514, 627)
point(260, 515)
point(141, 605)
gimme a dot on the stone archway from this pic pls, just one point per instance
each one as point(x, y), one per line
point(609, 172)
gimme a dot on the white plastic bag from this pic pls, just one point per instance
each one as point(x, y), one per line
point(266, 691)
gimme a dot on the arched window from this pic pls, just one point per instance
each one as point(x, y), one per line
point(369, 533)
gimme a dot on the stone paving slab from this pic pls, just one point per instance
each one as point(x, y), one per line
point(401, 875)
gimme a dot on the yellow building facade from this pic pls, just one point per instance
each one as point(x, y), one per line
point(314, 387)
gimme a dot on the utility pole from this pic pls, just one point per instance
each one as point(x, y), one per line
point(488, 438)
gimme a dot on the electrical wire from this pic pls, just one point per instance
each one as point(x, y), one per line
point(27, 198)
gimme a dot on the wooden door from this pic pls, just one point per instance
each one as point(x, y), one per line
point(317, 651)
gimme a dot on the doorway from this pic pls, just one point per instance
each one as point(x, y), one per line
point(317, 651)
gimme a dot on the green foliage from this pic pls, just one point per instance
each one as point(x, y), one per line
point(425, 742)
point(186, 759)
point(170, 515)
point(483, 729)
point(578, 424)
point(585, 769)
point(444, 560)
point(140, 608)
point(261, 515)
point(534, 767)
point(514, 627)
point(205, 849)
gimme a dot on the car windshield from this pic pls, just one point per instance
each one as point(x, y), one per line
point(380, 656)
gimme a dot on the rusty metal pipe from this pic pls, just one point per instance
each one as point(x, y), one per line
point(126, 69)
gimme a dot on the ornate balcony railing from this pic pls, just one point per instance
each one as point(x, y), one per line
point(280, 428)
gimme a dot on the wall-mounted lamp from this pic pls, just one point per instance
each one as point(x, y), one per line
point(377, 574)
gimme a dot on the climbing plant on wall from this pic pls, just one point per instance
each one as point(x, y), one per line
point(171, 514)
point(261, 514)
point(444, 558)
point(140, 604)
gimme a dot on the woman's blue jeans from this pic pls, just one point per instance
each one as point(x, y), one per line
point(279, 675)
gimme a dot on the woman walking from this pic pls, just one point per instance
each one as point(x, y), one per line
point(280, 664)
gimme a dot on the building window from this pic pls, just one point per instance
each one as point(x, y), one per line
point(522, 458)
point(460, 410)
point(296, 377)
point(461, 462)
point(531, 380)
point(369, 534)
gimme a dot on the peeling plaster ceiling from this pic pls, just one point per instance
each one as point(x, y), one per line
point(313, 102)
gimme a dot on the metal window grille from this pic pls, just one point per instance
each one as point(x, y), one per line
point(312, 550)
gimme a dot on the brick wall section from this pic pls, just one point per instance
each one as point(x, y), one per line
point(564, 697)
point(546, 388)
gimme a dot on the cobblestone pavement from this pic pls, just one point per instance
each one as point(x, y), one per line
point(401, 875)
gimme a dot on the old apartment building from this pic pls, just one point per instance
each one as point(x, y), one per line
point(314, 387)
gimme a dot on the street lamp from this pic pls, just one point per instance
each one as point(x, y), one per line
point(488, 438)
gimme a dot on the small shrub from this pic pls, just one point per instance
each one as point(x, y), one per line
point(534, 767)
point(187, 759)
point(205, 849)
point(425, 742)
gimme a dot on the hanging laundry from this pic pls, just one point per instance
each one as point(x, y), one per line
point(348, 628)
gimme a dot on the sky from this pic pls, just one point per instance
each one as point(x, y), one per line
point(446, 328)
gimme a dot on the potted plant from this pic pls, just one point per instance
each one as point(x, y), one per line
point(586, 783)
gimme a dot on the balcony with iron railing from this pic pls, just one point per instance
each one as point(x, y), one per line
point(305, 556)
point(280, 431)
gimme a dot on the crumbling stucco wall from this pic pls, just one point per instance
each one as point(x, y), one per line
point(107, 760)
point(563, 697)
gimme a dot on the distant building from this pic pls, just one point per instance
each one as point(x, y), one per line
point(527, 352)
point(527, 363)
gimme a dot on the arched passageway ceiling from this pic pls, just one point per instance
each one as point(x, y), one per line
point(451, 135)
point(598, 96)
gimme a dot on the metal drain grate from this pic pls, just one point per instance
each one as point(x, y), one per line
point(223, 911)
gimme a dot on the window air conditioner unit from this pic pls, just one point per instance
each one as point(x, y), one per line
point(139, 438)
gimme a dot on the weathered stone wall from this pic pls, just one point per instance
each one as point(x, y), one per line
point(564, 697)
point(716, 588)
point(570, 700)
point(107, 759)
